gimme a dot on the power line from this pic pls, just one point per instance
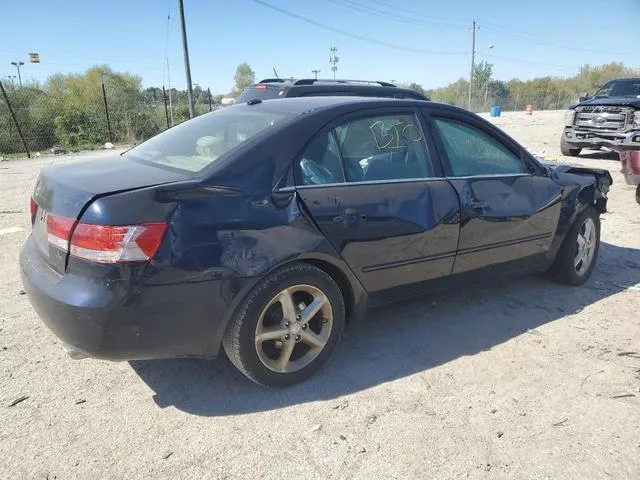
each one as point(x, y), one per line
point(505, 32)
point(391, 15)
point(412, 12)
point(532, 63)
point(538, 40)
point(352, 35)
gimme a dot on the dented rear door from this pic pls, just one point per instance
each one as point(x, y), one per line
point(390, 233)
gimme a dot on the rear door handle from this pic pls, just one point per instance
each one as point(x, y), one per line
point(351, 218)
point(477, 205)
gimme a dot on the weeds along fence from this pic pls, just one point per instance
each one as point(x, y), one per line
point(36, 120)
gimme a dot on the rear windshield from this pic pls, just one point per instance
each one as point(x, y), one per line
point(196, 144)
point(261, 92)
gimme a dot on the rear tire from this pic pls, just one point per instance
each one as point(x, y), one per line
point(287, 327)
point(566, 150)
point(578, 254)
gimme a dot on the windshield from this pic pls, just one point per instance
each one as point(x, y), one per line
point(198, 143)
point(620, 88)
point(261, 92)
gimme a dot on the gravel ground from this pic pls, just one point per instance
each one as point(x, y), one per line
point(526, 379)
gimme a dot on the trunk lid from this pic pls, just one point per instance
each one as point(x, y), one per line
point(66, 190)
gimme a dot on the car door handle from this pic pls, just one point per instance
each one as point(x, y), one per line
point(477, 205)
point(351, 218)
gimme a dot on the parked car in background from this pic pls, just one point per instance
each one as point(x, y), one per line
point(611, 118)
point(265, 226)
point(630, 162)
point(308, 87)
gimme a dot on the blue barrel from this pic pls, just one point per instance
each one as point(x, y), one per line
point(495, 111)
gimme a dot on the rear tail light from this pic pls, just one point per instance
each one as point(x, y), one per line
point(33, 206)
point(59, 230)
point(261, 87)
point(105, 243)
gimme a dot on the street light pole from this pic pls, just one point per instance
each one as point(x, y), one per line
point(187, 67)
point(18, 65)
point(315, 72)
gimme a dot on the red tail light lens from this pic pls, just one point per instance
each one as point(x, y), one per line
point(117, 244)
point(105, 243)
point(33, 206)
point(261, 87)
point(59, 230)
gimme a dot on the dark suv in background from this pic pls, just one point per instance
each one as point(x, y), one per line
point(309, 87)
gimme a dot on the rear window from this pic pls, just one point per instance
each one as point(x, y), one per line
point(261, 92)
point(196, 144)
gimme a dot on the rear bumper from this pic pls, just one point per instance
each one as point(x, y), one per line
point(124, 319)
point(618, 141)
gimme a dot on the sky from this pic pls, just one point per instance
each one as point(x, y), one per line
point(422, 41)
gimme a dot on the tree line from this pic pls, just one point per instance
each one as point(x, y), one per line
point(68, 110)
point(543, 93)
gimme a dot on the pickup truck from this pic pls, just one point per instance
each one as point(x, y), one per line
point(611, 118)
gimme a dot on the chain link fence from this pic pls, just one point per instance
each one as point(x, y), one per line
point(34, 120)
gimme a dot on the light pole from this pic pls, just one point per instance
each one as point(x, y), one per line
point(12, 79)
point(18, 65)
point(315, 72)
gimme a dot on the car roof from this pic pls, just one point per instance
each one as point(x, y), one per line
point(322, 82)
point(309, 86)
point(299, 105)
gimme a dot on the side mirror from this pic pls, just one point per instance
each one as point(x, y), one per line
point(584, 96)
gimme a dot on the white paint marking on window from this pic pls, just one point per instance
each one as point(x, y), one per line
point(7, 231)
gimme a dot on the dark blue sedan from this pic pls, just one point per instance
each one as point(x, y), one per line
point(265, 227)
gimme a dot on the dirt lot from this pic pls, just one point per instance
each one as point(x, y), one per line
point(527, 379)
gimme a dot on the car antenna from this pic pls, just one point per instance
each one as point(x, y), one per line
point(275, 73)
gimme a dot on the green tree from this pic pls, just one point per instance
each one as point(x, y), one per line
point(416, 87)
point(243, 78)
point(482, 76)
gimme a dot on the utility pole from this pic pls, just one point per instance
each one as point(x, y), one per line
point(315, 72)
point(18, 65)
point(333, 60)
point(473, 58)
point(187, 67)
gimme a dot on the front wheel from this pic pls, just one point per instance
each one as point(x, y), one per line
point(577, 257)
point(566, 150)
point(287, 327)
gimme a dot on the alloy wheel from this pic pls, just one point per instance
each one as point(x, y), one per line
point(585, 246)
point(293, 328)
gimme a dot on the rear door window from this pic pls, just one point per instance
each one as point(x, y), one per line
point(320, 162)
point(387, 147)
